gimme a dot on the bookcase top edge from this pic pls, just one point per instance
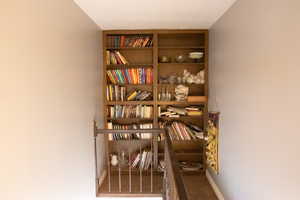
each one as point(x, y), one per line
point(158, 31)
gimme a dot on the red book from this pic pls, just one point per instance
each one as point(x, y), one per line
point(119, 61)
point(122, 41)
point(132, 76)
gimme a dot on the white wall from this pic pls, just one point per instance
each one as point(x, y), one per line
point(255, 84)
point(49, 60)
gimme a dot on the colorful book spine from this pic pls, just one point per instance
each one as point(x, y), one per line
point(129, 41)
point(130, 76)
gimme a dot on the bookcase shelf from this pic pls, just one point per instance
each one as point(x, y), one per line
point(140, 85)
point(183, 47)
point(129, 65)
point(181, 64)
point(127, 141)
point(184, 117)
point(130, 102)
point(180, 103)
point(170, 43)
point(130, 119)
point(184, 153)
point(186, 84)
point(128, 48)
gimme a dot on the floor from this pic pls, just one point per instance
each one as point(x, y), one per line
point(197, 186)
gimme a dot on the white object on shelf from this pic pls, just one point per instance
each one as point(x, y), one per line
point(196, 55)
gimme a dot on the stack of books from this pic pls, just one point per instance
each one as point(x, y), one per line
point(129, 41)
point(115, 93)
point(175, 112)
point(193, 111)
point(139, 95)
point(118, 93)
point(142, 160)
point(181, 131)
point(129, 136)
point(132, 111)
point(115, 58)
point(130, 76)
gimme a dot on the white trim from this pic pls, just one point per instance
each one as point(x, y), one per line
point(214, 186)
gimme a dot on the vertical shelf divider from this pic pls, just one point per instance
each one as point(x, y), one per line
point(155, 98)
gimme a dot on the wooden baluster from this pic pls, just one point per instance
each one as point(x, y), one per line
point(129, 163)
point(120, 183)
point(151, 163)
point(141, 179)
point(108, 165)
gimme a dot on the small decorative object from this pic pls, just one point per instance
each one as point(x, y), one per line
point(190, 166)
point(172, 79)
point(123, 160)
point(114, 160)
point(196, 56)
point(200, 78)
point(163, 79)
point(183, 80)
point(164, 95)
point(179, 80)
point(164, 59)
point(180, 58)
point(212, 141)
point(181, 92)
point(191, 78)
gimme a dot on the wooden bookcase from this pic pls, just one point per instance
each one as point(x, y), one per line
point(169, 43)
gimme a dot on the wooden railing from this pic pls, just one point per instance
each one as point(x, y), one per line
point(174, 186)
point(128, 181)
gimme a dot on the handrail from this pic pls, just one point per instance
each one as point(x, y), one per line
point(108, 131)
point(173, 175)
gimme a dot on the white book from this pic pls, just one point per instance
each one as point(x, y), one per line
point(136, 160)
point(142, 162)
point(149, 160)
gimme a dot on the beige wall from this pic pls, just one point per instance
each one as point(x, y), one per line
point(49, 64)
point(255, 83)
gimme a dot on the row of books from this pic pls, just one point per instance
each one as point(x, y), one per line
point(130, 111)
point(115, 58)
point(115, 93)
point(130, 76)
point(139, 95)
point(129, 136)
point(176, 112)
point(142, 160)
point(119, 93)
point(181, 131)
point(129, 41)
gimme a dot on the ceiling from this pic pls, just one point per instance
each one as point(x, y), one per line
point(154, 14)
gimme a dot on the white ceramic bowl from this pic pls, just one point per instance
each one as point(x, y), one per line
point(196, 55)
